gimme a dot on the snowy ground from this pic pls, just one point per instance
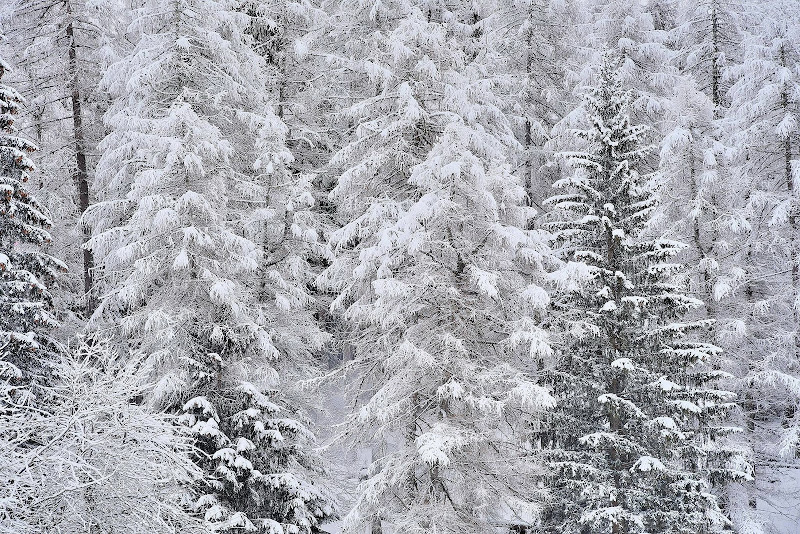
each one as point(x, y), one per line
point(780, 513)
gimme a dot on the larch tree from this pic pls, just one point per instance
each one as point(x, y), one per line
point(437, 280)
point(694, 154)
point(293, 39)
point(705, 206)
point(536, 39)
point(203, 239)
point(762, 128)
point(633, 443)
point(708, 203)
point(764, 111)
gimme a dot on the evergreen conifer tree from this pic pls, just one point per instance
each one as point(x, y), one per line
point(632, 443)
point(26, 271)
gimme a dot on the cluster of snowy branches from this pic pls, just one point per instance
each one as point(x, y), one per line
point(395, 266)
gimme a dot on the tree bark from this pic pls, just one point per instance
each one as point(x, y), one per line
point(81, 173)
point(715, 68)
point(787, 155)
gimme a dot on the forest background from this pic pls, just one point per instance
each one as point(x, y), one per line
point(396, 266)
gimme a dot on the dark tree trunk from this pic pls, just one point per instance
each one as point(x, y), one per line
point(81, 172)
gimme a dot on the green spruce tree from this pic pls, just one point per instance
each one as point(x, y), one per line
point(26, 272)
point(632, 442)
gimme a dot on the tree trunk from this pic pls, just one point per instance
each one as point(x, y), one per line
point(749, 401)
point(81, 172)
point(787, 154)
point(715, 70)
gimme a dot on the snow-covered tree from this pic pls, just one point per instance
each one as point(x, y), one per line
point(637, 33)
point(763, 125)
point(26, 271)
point(262, 457)
point(706, 202)
point(673, 56)
point(693, 153)
point(291, 36)
point(762, 129)
point(294, 39)
point(91, 459)
point(61, 48)
point(437, 279)
point(210, 132)
point(204, 237)
point(634, 442)
point(536, 40)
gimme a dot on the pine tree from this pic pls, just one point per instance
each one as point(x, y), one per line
point(437, 280)
point(26, 271)
point(633, 443)
point(204, 238)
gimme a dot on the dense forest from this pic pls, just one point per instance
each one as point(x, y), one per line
point(399, 267)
